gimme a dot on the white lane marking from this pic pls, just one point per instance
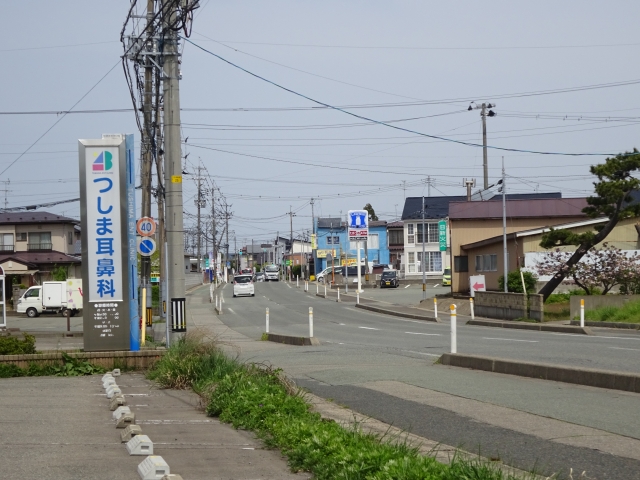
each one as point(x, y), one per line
point(369, 328)
point(407, 286)
point(231, 311)
point(341, 324)
point(436, 285)
point(589, 336)
point(510, 339)
point(430, 334)
point(620, 348)
point(288, 285)
point(421, 353)
point(340, 343)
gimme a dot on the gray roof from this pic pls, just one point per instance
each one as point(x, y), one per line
point(9, 218)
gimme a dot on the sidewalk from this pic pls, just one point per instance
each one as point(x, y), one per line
point(61, 428)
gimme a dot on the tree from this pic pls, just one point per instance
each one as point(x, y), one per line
point(600, 269)
point(59, 273)
point(514, 282)
point(372, 213)
point(612, 199)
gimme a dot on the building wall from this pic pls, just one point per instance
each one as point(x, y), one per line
point(59, 236)
point(377, 255)
point(467, 231)
point(514, 256)
point(412, 250)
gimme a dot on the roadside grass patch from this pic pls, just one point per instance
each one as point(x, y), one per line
point(259, 398)
point(627, 313)
point(70, 367)
point(16, 346)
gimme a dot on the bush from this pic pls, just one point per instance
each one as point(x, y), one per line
point(296, 270)
point(15, 346)
point(514, 282)
point(155, 295)
point(565, 297)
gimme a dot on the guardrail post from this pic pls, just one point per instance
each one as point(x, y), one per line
point(435, 307)
point(582, 313)
point(471, 307)
point(267, 326)
point(310, 322)
point(454, 340)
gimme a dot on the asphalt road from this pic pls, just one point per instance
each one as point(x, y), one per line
point(343, 324)
point(383, 366)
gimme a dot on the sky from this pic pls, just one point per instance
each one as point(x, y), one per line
point(417, 65)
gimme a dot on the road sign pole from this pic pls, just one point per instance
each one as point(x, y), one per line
point(359, 273)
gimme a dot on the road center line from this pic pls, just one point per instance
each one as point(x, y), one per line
point(369, 328)
point(422, 353)
point(621, 348)
point(510, 340)
point(408, 286)
point(430, 334)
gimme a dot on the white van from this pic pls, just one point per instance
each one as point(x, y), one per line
point(52, 297)
point(271, 273)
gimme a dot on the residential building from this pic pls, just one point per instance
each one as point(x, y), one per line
point(33, 244)
point(475, 230)
point(395, 242)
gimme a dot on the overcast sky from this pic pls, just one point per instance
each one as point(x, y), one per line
point(345, 53)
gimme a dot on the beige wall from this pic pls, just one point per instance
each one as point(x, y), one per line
point(491, 277)
point(467, 231)
point(59, 235)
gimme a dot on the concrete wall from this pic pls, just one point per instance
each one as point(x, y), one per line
point(142, 359)
point(508, 306)
point(592, 302)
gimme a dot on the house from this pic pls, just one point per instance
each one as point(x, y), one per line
point(331, 238)
point(34, 244)
point(395, 242)
point(475, 230)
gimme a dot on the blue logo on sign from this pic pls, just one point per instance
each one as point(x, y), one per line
point(358, 220)
point(146, 246)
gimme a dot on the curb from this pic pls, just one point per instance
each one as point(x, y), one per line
point(628, 326)
point(44, 334)
point(290, 340)
point(386, 311)
point(541, 327)
point(612, 380)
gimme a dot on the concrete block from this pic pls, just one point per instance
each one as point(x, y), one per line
point(522, 369)
point(140, 445)
point(291, 340)
point(153, 468)
point(113, 390)
point(108, 381)
point(130, 432)
point(105, 376)
point(118, 412)
point(116, 402)
point(171, 476)
point(116, 372)
point(126, 420)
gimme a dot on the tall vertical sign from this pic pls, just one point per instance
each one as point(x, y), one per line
point(442, 235)
point(109, 258)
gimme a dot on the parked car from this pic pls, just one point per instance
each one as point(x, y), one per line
point(246, 271)
point(52, 297)
point(271, 273)
point(389, 278)
point(446, 277)
point(243, 285)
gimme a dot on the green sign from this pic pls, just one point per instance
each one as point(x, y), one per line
point(442, 235)
point(206, 263)
point(287, 262)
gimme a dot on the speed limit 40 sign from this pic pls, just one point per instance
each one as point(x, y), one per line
point(146, 226)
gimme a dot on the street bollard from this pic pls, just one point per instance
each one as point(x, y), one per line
point(297, 281)
point(582, 313)
point(435, 307)
point(317, 288)
point(267, 326)
point(67, 311)
point(357, 298)
point(338, 294)
point(310, 322)
point(471, 307)
point(325, 290)
point(454, 340)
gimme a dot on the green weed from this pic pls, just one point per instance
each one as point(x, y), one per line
point(16, 346)
point(70, 367)
point(627, 313)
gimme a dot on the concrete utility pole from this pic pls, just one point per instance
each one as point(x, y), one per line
point(160, 199)
point(504, 231)
point(484, 114)
point(423, 262)
point(214, 228)
point(199, 205)
point(291, 235)
point(226, 218)
point(173, 165)
point(313, 231)
point(147, 141)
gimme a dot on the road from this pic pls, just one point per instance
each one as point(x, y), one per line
point(383, 366)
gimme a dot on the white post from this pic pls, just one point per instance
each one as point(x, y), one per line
point(454, 340)
point(267, 326)
point(317, 288)
point(325, 289)
point(310, 322)
point(357, 298)
point(216, 302)
point(297, 281)
point(471, 306)
point(358, 261)
point(338, 293)
point(582, 313)
point(435, 307)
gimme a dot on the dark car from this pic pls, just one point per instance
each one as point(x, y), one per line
point(389, 279)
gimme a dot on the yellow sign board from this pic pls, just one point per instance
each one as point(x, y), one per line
point(176, 178)
point(323, 253)
point(352, 261)
point(314, 242)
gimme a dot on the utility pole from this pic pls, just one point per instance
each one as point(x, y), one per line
point(291, 235)
point(173, 167)
point(6, 191)
point(484, 114)
point(423, 262)
point(504, 231)
point(199, 204)
point(214, 232)
point(313, 231)
point(428, 186)
point(404, 189)
point(226, 218)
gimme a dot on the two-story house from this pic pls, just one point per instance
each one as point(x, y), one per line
point(33, 244)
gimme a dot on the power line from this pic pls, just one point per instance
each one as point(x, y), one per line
point(469, 144)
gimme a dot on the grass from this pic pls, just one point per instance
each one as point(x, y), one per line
point(70, 367)
point(260, 399)
point(627, 313)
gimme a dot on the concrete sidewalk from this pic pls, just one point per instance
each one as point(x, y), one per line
point(61, 428)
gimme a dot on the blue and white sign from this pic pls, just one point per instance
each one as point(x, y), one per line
point(358, 224)
point(146, 246)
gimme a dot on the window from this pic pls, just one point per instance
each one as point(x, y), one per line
point(487, 263)
point(70, 238)
point(6, 242)
point(410, 235)
point(461, 264)
point(333, 240)
point(32, 293)
point(432, 232)
point(395, 237)
point(412, 262)
point(373, 242)
point(22, 237)
point(432, 263)
point(39, 241)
